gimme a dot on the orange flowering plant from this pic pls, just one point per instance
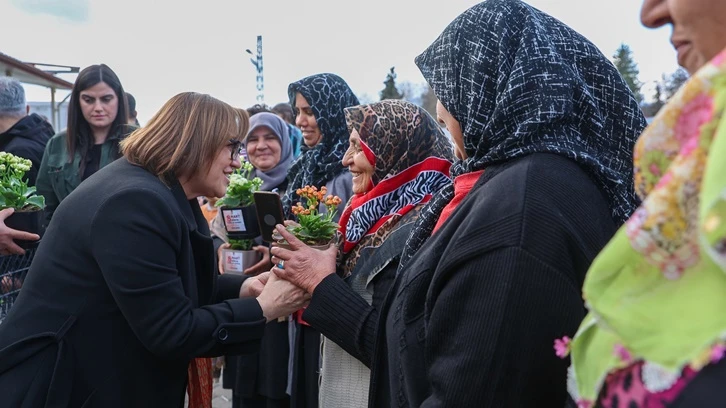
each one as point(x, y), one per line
point(315, 228)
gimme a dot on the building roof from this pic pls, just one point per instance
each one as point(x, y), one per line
point(29, 74)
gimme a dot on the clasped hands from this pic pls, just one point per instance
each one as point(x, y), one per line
point(289, 285)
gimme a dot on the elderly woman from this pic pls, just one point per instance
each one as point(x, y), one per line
point(318, 101)
point(399, 158)
point(544, 126)
point(260, 380)
point(122, 294)
point(655, 336)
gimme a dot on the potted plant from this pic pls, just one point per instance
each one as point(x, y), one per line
point(239, 256)
point(15, 193)
point(313, 228)
point(237, 205)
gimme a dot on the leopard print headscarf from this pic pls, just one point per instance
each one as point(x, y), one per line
point(411, 157)
point(327, 95)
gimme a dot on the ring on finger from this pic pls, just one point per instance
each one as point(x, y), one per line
point(281, 264)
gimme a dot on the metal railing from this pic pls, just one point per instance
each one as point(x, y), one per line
point(13, 269)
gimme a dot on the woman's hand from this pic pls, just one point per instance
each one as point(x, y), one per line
point(264, 265)
point(281, 298)
point(304, 266)
point(220, 257)
point(7, 235)
point(252, 287)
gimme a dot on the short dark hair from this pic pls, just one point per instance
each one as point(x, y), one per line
point(285, 111)
point(78, 127)
point(258, 108)
point(131, 103)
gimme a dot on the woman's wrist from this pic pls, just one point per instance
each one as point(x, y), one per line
point(316, 281)
point(267, 311)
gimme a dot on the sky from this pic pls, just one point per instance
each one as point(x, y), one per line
point(162, 47)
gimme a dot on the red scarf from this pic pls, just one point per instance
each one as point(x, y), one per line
point(392, 197)
point(462, 185)
point(199, 386)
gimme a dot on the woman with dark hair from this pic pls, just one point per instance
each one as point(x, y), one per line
point(97, 122)
point(318, 101)
point(544, 127)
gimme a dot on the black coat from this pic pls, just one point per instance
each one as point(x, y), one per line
point(119, 298)
point(471, 319)
point(27, 139)
point(264, 374)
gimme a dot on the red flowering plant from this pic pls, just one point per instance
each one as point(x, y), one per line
point(314, 228)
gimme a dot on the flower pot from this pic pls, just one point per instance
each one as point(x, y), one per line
point(318, 247)
point(240, 222)
point(236, 261)
point(28, 221)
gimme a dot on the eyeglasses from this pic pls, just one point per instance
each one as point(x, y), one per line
point(236, 147)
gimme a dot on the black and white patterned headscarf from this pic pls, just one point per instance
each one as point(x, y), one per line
point(328, 95)
point(519, 81)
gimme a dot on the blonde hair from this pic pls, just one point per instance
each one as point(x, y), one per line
point(185, 135)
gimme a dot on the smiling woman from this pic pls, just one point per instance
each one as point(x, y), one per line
point(318, 101)
point(125, 277)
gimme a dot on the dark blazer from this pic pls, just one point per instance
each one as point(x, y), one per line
point(263, 374)
point(341, 314)
point(27, 138)
point(119, 298)
point(471, 319)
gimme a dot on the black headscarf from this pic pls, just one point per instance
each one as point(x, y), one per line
point(519, 81)
point(328, 95)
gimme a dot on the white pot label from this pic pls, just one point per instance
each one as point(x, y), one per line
point(234, 221)
point(233, 261)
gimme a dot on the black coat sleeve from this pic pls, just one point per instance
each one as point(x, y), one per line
point(491, 325)
point(228, 286)
point(135, 241)
point(346, 318)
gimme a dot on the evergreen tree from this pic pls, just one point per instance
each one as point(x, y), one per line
point(623, 60)
point(428, 100)
point(390, 91)
point(651, 109)
point(673, 82)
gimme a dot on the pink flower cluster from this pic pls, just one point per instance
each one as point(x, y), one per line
point(562, 347)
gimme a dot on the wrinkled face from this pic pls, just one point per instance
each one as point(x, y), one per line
point(452, 125)
point(214, 182)
point(99, 106)
point(358, 165)
point(699, 27)
point(305, 120)
point(263, 148)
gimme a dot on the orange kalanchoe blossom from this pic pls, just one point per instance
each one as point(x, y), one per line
point(314, 227)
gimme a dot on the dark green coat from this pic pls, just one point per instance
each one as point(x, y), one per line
point(58, 177)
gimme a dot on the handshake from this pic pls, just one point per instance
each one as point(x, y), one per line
point(289, 285)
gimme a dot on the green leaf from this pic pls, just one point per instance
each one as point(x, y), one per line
point(37, 201)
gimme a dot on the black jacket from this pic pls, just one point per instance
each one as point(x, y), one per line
point(263, 374)
point(27, 139)
point(472, 317)
point(342, 315)
point(120, 297)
